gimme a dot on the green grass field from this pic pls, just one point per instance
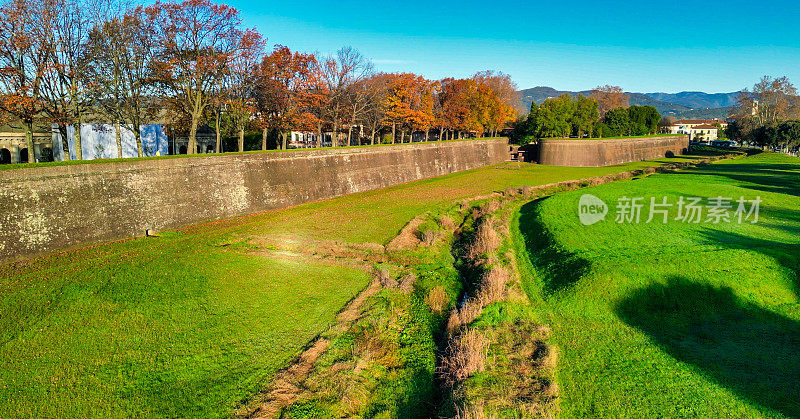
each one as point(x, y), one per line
point(192, 323)
point(676, 319)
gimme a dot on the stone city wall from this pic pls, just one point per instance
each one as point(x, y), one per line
point(599, 152)
point(51, 208)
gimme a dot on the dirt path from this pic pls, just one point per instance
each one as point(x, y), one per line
point(287, 385)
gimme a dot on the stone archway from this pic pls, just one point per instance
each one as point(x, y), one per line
point(182, 150)
point(5, 156)
point(23, 155)
point(47, 155)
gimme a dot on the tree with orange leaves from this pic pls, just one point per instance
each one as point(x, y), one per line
point(460, 105)
point(409, 103)
point(198, 40)
point(284, 86)
point(24, 61)
point(609, 97)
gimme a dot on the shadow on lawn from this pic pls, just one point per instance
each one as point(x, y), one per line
point(777, 178)
point(786, 254)
point(750, 350)
point(559, 268)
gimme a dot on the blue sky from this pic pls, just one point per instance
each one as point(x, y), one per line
point(666, 46)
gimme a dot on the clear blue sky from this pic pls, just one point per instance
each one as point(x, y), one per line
point(666, 46)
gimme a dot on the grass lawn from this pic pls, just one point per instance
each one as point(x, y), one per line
point(377, 216)
point(676, 319)
point(186, 324)
point(172, 326)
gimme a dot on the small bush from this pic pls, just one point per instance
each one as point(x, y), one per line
point(430, 237)
point(385, 278)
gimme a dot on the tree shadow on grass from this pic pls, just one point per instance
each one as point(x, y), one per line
point(776, 178)
point(752, 351)
point(559, 268)
point(786, 254)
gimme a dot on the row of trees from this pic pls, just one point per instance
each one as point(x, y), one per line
point(605, 113)
point(67, 62)
point(769, 116)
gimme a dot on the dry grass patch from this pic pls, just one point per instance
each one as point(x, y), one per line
point(465, 355)
point(486, 241)
point(437, 299)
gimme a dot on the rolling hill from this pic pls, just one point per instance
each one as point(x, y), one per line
point(683, 104)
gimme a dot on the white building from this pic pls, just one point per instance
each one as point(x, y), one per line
point(707, 129)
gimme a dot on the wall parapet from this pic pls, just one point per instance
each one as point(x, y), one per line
point(52, 208)
point(607, 152)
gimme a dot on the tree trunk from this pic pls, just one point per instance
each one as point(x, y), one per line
point(218, 145)
point(264, 138)
point(137, 134)
point(372, 138)
point(350, 135)
point(283, 140)
point(78, 145)
point(29, 142)
point(119, 139)
point(319, 136)
point(335, 137)
point(62, 132)
point(441, 128)
point(192, 148)
point(394, 128)
point(241, 139)
point(427, 134)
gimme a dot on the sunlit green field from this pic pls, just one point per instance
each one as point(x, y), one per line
point(193, 322)
point(676, 319)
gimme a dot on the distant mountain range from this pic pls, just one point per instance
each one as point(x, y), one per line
point(681, 105)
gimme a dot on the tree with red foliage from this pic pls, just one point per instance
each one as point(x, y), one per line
point(282, 89)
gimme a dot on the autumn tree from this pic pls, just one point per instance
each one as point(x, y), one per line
point(24, 61)
point(240, 80)
point(409, 104)
point(374, 114)
point(777, 100)
point(457, 106)
point(197, 40)
point(339, 73)
point(68, 87)
point(609, 97)
point(503, 102)
point(285, 92)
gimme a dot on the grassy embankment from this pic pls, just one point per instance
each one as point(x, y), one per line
point(676, 319)
point(195, 322)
